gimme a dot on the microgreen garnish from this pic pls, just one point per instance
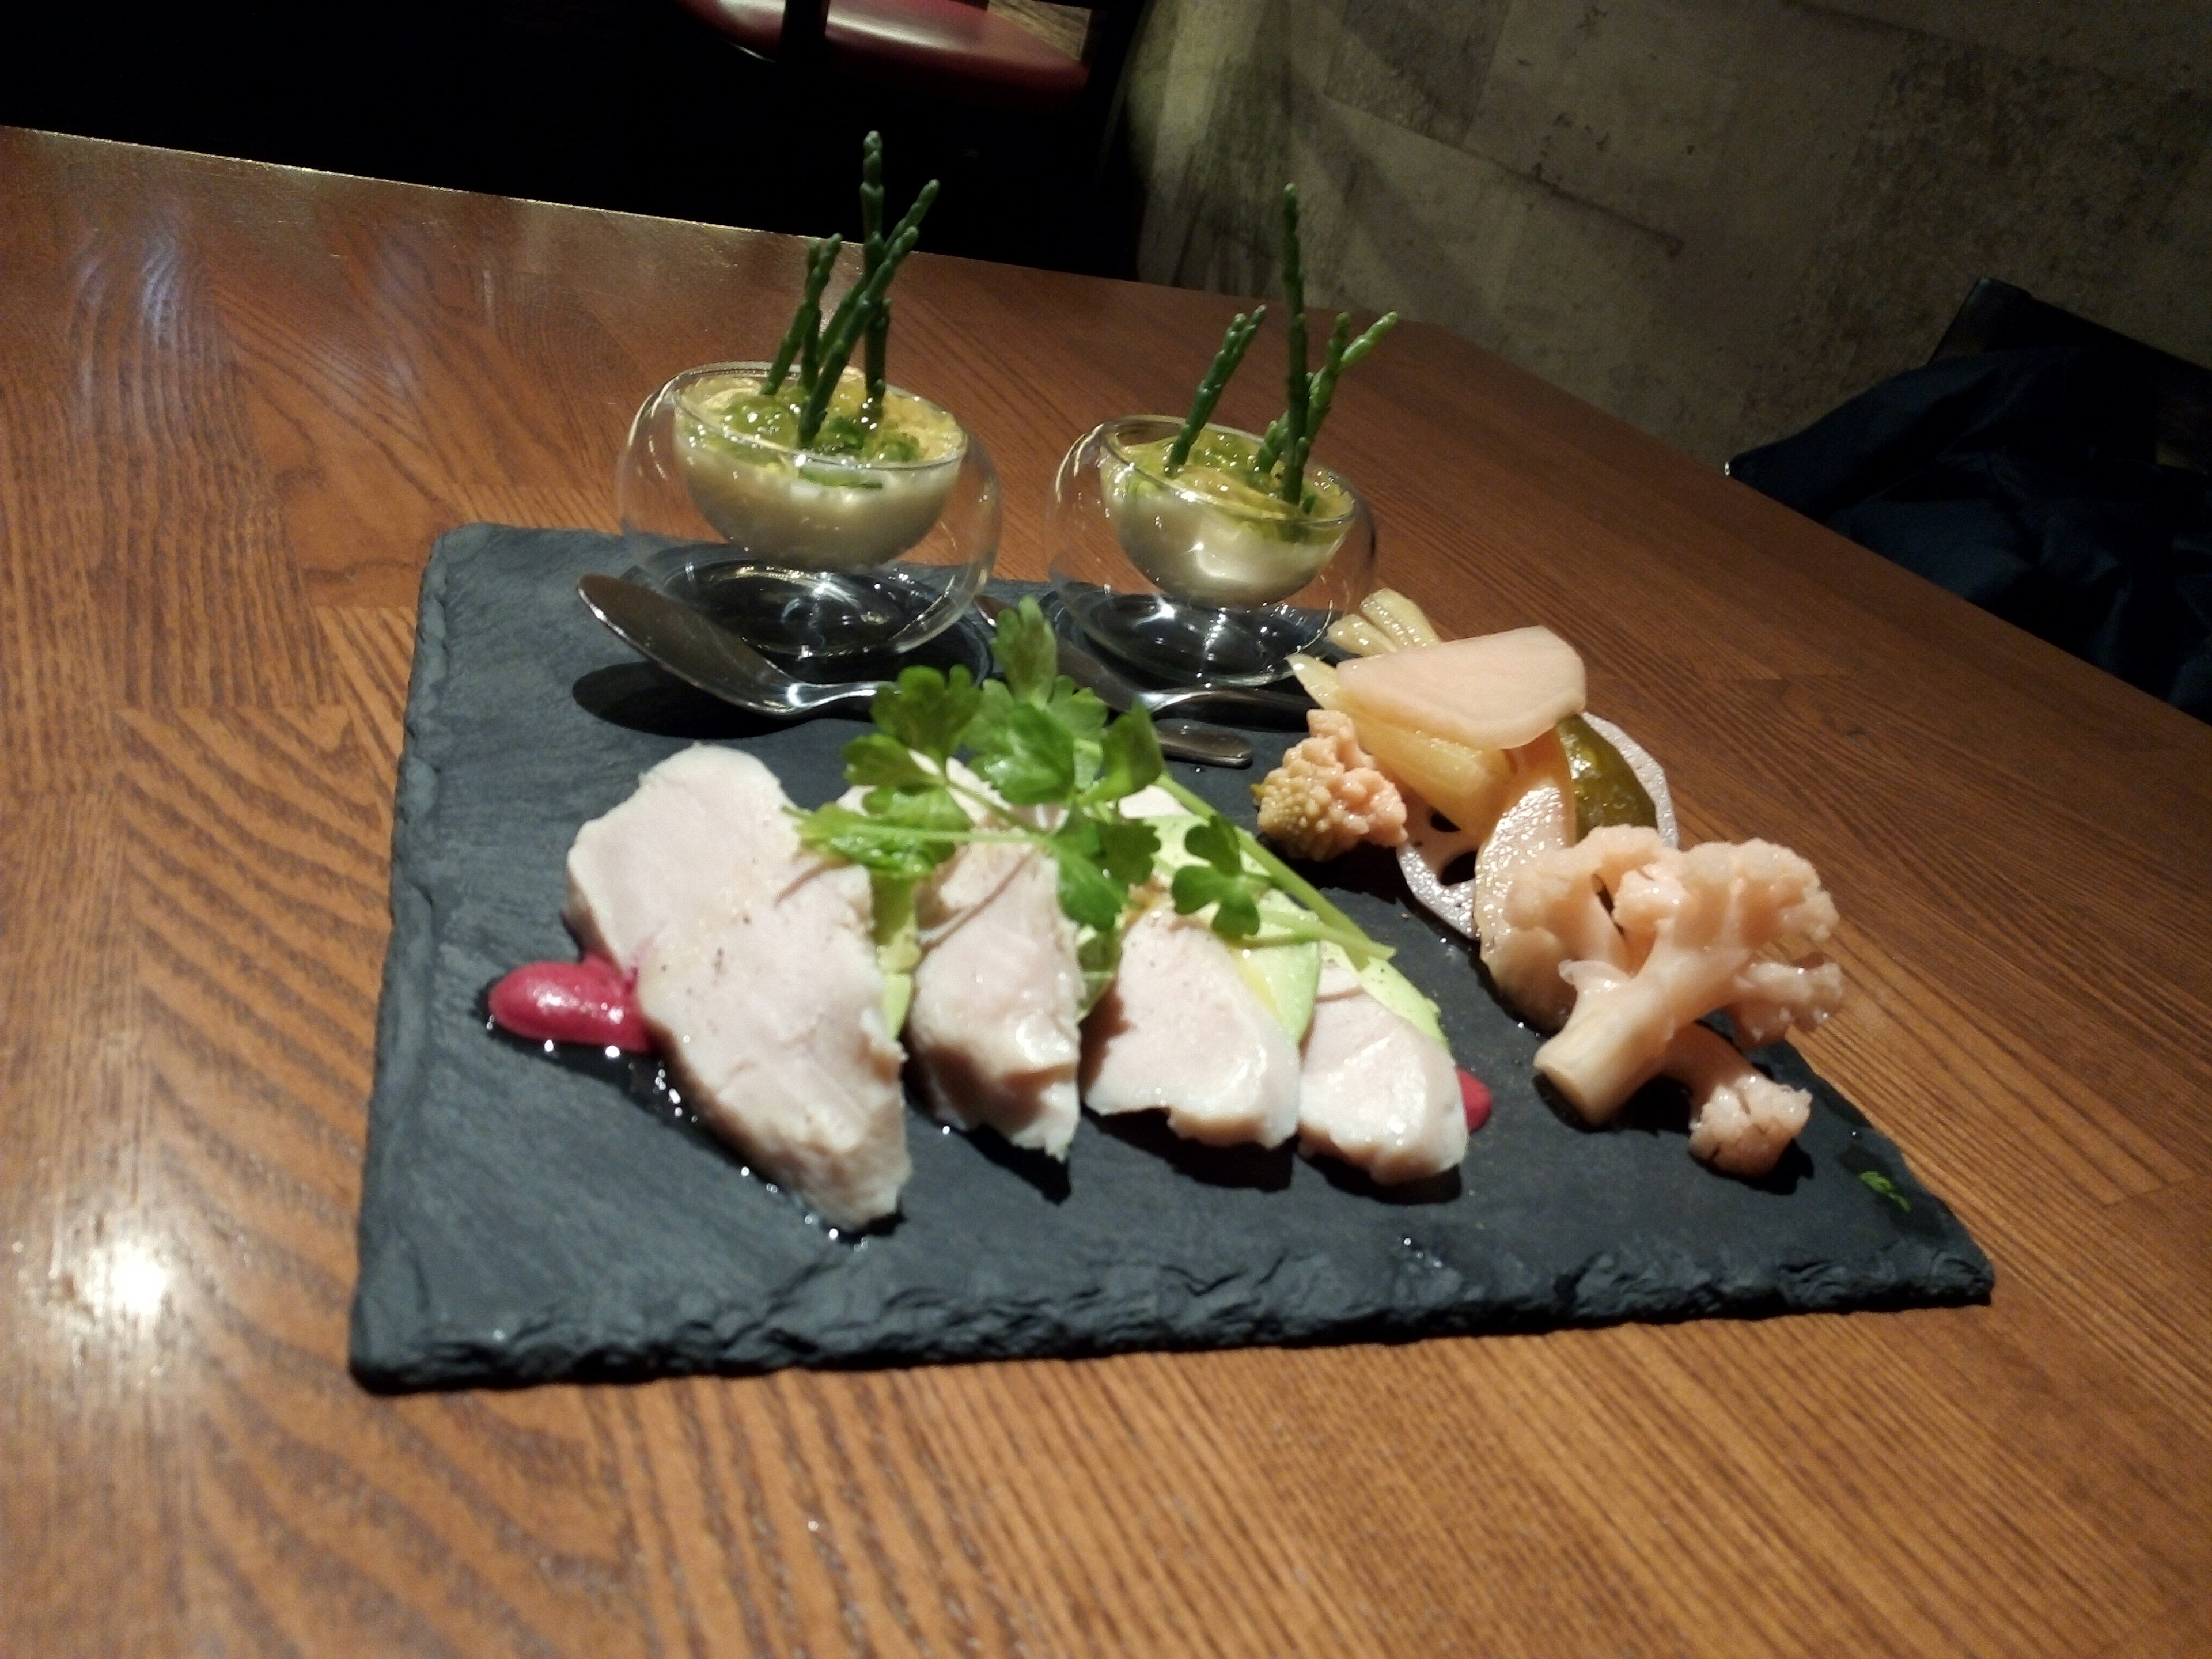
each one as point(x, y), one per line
point(1221, 880)
point(1046, 768)
point(1053, 765)
point(1236, 872)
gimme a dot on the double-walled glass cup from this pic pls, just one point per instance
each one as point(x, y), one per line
point(1195, 584)
point(816, 558)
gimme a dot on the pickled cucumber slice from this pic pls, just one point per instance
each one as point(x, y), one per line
point(1605, 790)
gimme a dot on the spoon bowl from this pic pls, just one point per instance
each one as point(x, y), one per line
point(701, 652)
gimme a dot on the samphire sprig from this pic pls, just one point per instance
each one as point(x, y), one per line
point(1242, 328)
point(1055, 768)
point(1277, 467)
point(1288, 444)
point(820, 350)
point(871, 256)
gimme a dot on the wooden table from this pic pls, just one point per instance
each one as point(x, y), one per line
point(236, 405)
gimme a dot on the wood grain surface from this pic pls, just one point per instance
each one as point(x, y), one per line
point(237, 403)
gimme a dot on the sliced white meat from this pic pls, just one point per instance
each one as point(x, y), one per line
point(689, 833)
point(769, 1010)
point(992, 1025)
point(1376, 1091)
point(1150, 802)
point(757, 972)
point(1181, 1031)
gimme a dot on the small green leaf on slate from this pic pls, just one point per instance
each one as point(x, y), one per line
point(1882, 1184)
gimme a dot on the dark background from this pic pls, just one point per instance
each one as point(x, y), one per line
point(624, 104)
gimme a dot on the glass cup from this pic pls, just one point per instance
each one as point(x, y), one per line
point(815, 559)
point(1193, 585)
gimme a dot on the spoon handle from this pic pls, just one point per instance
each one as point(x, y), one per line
point(1272, 708)
point(1209, 745)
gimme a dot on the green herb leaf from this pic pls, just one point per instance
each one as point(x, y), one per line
point(1279, 875)
point(1214, 840)
point(1026, 653)
point(1030, 759)
point(1236, 909)
point(1036, 739)
point(1130, 758)
point(995, 703)
point(927, 711)
point(934, 809)
point(1090, 896)
point(890, 849)
point(878, 759)
point(1077, 709)
point(1126, 846)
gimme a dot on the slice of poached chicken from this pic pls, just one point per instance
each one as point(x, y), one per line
point(757, 972)
point(1181, 1031)
point(1375, 1090)
point(992, 1025)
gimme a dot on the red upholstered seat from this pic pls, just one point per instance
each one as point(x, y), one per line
point(937, 47)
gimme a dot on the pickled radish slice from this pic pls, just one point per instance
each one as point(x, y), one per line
point(586, 1002)
point(1495, 691)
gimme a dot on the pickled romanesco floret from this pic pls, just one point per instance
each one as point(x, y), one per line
point(1328, 795)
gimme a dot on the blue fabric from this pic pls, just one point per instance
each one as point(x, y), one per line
point(2025, 481)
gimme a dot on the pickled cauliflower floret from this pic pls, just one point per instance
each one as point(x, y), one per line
point(1328, 795)
point(1555, 914)
point(1725, 925)
point(1645, 940)
point(1741, 1120)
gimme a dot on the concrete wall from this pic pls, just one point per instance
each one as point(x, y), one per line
point(1715, 218)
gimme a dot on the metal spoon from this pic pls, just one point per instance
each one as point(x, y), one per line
point(1110, 686)
point(701, 652)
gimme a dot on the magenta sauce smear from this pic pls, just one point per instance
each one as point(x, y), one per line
point(591, 1001)
point(1474, 1099)
point(585, 1014)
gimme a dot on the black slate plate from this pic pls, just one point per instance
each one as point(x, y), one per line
point(525, 1220)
